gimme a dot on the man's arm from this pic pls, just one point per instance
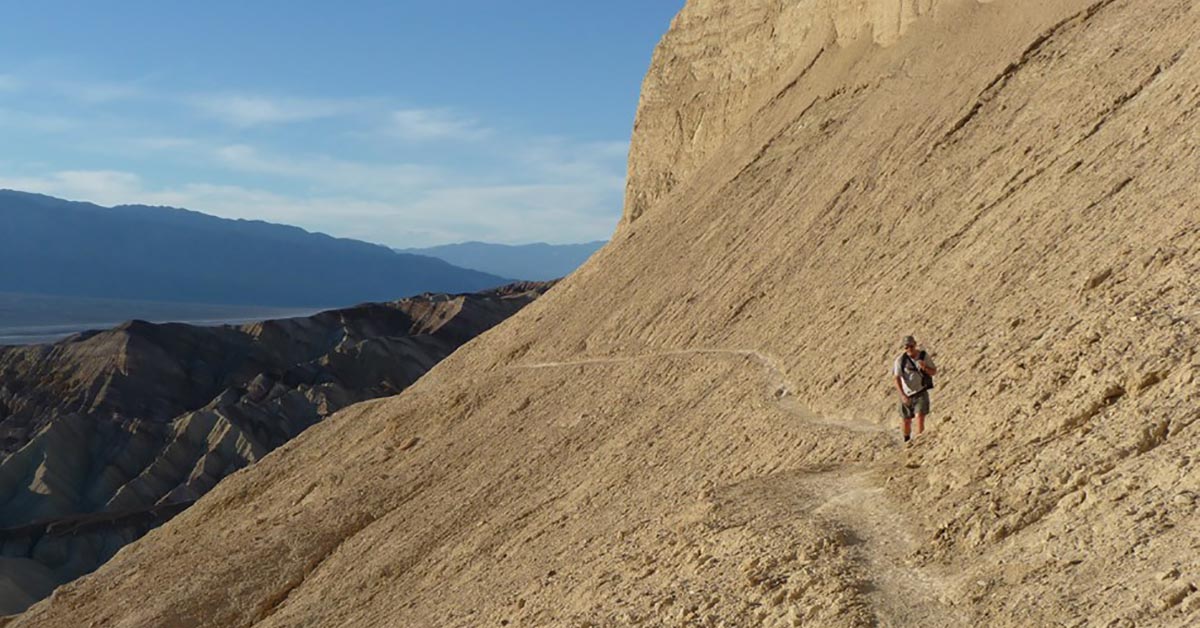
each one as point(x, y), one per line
point(927, 365)
point(900, 387)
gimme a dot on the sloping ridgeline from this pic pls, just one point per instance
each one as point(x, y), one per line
point(108, 434)
point(698, 428)
point(52, 246)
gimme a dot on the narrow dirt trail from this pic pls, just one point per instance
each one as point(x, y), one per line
point(768, 361)
point(903, 593)
point(850, 497)
point(781, 387)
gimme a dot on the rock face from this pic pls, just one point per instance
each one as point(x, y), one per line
point(111, 433)
point(698, 426)
point(722, 62)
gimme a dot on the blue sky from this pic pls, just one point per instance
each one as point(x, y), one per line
point(403, 123)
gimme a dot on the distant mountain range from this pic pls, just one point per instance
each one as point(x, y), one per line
point(58, 247)
point(531, 262)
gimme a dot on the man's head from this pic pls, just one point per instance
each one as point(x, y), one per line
point(910, 346)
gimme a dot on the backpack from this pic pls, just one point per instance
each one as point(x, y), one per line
point(926, 378)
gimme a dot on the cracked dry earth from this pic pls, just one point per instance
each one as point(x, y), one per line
point(1014, 182)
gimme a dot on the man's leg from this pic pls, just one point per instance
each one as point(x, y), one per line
point(907, 428)
point(921, 409)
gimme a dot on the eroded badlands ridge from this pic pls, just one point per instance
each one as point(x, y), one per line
point(1013, 182)
point(110, 433)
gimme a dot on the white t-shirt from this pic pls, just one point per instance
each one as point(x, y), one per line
point(910, 375)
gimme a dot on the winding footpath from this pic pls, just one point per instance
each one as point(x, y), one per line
point(902, 593)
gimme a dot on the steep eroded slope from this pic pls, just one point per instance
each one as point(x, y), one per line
point(111, 433)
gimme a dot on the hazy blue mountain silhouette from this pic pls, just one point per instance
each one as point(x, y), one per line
point(53, 246)
point(531, 262)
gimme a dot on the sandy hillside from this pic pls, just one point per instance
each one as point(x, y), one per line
point(696, 428)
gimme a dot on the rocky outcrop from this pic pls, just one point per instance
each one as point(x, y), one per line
point(109, 433)
point(723, 62)
point(698, 427)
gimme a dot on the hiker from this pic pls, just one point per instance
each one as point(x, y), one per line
point(914, 371)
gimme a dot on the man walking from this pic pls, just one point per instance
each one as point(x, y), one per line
point(914, 371)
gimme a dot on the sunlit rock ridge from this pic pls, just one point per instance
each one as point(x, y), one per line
point(720, 63)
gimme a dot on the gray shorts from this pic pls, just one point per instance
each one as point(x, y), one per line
point(919, 404)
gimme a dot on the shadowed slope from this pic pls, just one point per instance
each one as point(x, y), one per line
point(1013, 182)
point(112, 433)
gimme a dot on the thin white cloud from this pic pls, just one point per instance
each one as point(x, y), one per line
point(422, 125)
point(549, 212)
point(245, 110)
point(559, 158)
point(97, 92)
point(505, 214)
point(106, 187)
point(363, 177)
point(156, 143)
point(40, 122)
point(513, 189)
point(57, 82)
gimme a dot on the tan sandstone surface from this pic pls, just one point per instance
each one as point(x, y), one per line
point(1014, 182)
